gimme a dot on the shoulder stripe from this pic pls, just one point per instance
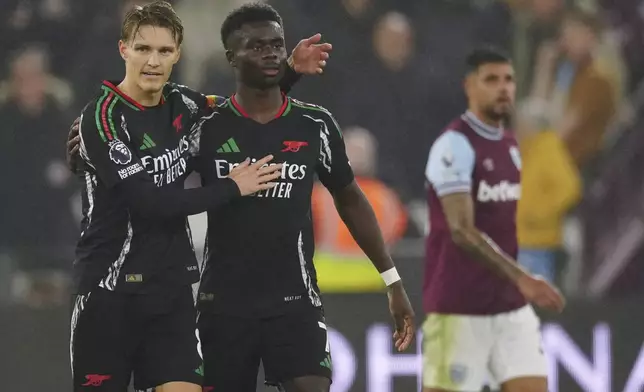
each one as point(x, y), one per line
point(97, 115)
point(104, 122)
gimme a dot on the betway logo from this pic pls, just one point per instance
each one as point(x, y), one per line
point(167, 168)
point(290, 171)
point(503, 191)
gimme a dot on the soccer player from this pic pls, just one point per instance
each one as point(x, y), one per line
point(475, 294)
point(258, 297)
point(134, 310)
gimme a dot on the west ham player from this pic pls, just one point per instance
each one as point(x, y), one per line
point(258, 297)
point(475, 294)
point(134, 312)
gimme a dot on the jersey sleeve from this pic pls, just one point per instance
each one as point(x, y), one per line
point(104, 146)
point(450, 164)
point(333, 169)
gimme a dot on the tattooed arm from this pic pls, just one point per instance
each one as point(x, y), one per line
point(449, 171)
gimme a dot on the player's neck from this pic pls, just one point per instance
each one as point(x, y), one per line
point(144, 98)
point(486, 119)
point(260, 105)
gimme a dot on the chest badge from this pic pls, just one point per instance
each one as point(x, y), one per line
point(177, 123)
point(293, 146)
point(488, 164)
point(516, 157)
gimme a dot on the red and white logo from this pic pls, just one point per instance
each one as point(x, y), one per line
point(293, 146)
point(96, 380)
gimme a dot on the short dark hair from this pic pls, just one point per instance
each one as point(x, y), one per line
point(248, 13)
point(485, 55)
point(158, 14)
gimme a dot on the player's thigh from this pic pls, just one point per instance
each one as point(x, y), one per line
point(178, 387)
point(517, 355)
point(307, 384)
point(456, 349)
point(296, 345)
point(101, 342)
point(231, 350)
point(170, 353)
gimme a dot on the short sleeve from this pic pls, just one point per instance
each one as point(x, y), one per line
point(334, 170)
point(450, 164)
point(105, 148)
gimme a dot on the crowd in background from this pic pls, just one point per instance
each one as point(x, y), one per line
point(393, 82)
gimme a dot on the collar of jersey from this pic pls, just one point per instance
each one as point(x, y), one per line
point(112, 87)
point(483, 129)
point(238, 110)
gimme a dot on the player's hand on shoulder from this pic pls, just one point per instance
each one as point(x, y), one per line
point(403, 315)
point(540, 293)
point(73, 146)
point(251, 178)
point(309, 56)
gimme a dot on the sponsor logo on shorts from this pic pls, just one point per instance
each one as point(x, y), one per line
point(199, 370)
point(96, 380)
point(208, 389)
point(458, 373)
point(119, 153)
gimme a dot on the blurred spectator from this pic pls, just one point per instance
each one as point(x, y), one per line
point(575, 87)
point(520, 26)
point(626, 17)
point(550, 187)
point(37, 228)
point(45, 21)
point(341, 265)
point(389, 93)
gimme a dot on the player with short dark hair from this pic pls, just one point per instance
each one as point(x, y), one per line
point(134, 309)
point(258, 297)
point(475, 294)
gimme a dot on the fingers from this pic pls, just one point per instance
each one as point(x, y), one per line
point(262, 162)
point(239, 167)
point(271, 176)
point(409, 334)
point(325, 47)
point(314, 39)
point(270, 169)
point(74, 150)
point(73, 142)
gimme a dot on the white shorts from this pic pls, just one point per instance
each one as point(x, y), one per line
point(461, 352)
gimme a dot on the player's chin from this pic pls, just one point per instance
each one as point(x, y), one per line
point(152, 86)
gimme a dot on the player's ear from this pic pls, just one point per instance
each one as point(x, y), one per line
point(123, 49)
point(230, 56)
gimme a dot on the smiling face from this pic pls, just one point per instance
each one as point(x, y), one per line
point(149, 57)
point(258, 54)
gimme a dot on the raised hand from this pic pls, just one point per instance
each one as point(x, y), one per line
point(309, 56)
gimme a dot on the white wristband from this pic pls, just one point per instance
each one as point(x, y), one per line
point(390, 276)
